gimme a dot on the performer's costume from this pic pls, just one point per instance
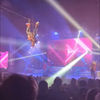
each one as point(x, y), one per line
point(93, 70)
point(31, 36)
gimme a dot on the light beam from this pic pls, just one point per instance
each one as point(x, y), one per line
point(67, 16)
point(65, 69)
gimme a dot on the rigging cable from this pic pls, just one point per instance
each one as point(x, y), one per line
point(13, 12)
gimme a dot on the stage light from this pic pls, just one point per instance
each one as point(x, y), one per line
point(38, 42)
point(31, 50)
point(37, 35)
point(67, 16)
point(65, 69)
point(55, 33)
point(78, 36)
point(79, 31)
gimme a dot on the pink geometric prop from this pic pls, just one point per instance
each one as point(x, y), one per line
point(4, 59)
point(62, 52)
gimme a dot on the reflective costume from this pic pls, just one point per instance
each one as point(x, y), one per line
point(31, 36)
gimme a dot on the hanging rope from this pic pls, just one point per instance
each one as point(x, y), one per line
point(13, 12)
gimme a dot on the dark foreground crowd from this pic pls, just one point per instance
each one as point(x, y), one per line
point(19, 87)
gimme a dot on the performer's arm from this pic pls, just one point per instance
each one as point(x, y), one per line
point(28, 27)
point(36, 28)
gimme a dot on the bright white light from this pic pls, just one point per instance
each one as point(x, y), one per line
point(38, 42)
point(31, 50)
point(31, 47)
point(55, 33)
point(79, 31)
point(37, 35)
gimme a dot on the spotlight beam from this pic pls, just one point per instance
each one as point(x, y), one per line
point(5, 40)
point(19, 48)
point(20, 58)
point(67, 16)
point(12, 41)
point(95, 53)
point(65, 69)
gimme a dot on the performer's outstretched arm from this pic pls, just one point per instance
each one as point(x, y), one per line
point(28, 27)
point(36, 28)
point(28, 30)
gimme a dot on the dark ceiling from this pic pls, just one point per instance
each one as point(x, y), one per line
point(85, 12)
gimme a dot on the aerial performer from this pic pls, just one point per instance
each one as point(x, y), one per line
point(31, 36)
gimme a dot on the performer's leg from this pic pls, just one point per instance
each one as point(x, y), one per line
point(91, 73)
point(33, 43)
point(94, 75)
point(35, 40)
point(28, 37)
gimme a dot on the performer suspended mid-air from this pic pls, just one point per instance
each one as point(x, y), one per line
point(31, 36)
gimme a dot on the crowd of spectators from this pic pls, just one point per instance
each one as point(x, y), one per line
point(21, 87)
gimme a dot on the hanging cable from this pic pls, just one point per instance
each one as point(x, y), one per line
point(13, 12)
